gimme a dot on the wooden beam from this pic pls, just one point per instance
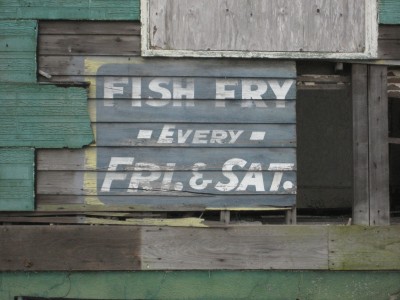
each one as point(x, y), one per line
point(128, 248)
point(378, 146)
point(360, 144)
point(370, 145)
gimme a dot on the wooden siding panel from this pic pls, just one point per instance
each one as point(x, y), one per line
point(389, 12)
point(70, 10)
point(16, 179)
point(25, 106)
point(18, 51)
point(234, 29)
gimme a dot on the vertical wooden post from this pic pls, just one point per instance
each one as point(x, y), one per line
point(378, 146)
point(291, 216)
point(370, 145)
point(360, 144)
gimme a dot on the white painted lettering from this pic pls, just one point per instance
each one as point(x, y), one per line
point(181, 92)
point(200, 136)
point(110, 90)
point(281, 91)
point(218, 136)
point(155, 85)
point(253, 177)
point(112, 175)
point(166, 135)
point(234, 136)
point(253, 88)
point(139, 180)
point(222, 92)
point(197, 176)
point(183, 136)
point(227, 172)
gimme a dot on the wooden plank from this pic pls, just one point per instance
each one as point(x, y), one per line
point(364, 248)
point(16, 179)
point(389, 32)
point(389, 12)
point(89, 27)
point(270, 247)
point(89, 44)
point(17, 67)
point(73, 203)
point(239, 27)
point(378, 146)
point(389, 49)
point(194, 111)
point(75, 160)
point(361, 208)
point(70, 10)
point(185, 135)
point(39, 248)
point(184, 184)
point(24, 106)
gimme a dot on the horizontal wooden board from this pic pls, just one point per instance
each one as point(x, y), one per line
point(79, 203)
point(389, 32)
point(389, 49)
point(180, 184)
point(364, 248)
point(229, 26)
point(89, 27)
point(70, 10)
point(195, 135)
point(185, 158)
point(163, 67)
point(70, 248)
point(199, 111)
point(89, 44)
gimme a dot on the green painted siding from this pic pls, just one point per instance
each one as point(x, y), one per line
point(16, 179)
point(389, 12)
point(203, 285)
point(18, 51)
point(43, 116)
point(70, 9)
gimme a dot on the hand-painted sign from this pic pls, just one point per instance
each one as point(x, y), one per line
point(198, 133)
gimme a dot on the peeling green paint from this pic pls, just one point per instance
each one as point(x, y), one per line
point(18, 50)
point(70, 10)
point(389, 12)
point(203, 285)
point(43, 116)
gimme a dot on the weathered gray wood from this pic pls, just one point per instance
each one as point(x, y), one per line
point(73, 248)
point(137, 66)
point(221, 135)
point(89, 27)
point(389, 49)
point(378, 146)
point(199, 111)
point(360, 145)
point(389, 32)
point(76, 203)
point(183, 184)
point(258, 26)
point(184, 158)
point(271, 247)
point(121, 45)
point(363, 248)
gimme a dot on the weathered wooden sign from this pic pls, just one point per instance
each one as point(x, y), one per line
point(190, 133)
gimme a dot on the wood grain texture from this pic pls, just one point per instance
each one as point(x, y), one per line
point(70, 10)
point(122, 45)
point(66, 122)
point(361, 207)
point(389, 12)
point(272, 247)
point(75, 248)
point(16, 179)
point(18, 51)
point(364, 248)
point(378, 146)
point(233, 26)
point(89, 27)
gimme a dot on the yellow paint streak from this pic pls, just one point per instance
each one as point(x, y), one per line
point(184, 222)
point(248, 208)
